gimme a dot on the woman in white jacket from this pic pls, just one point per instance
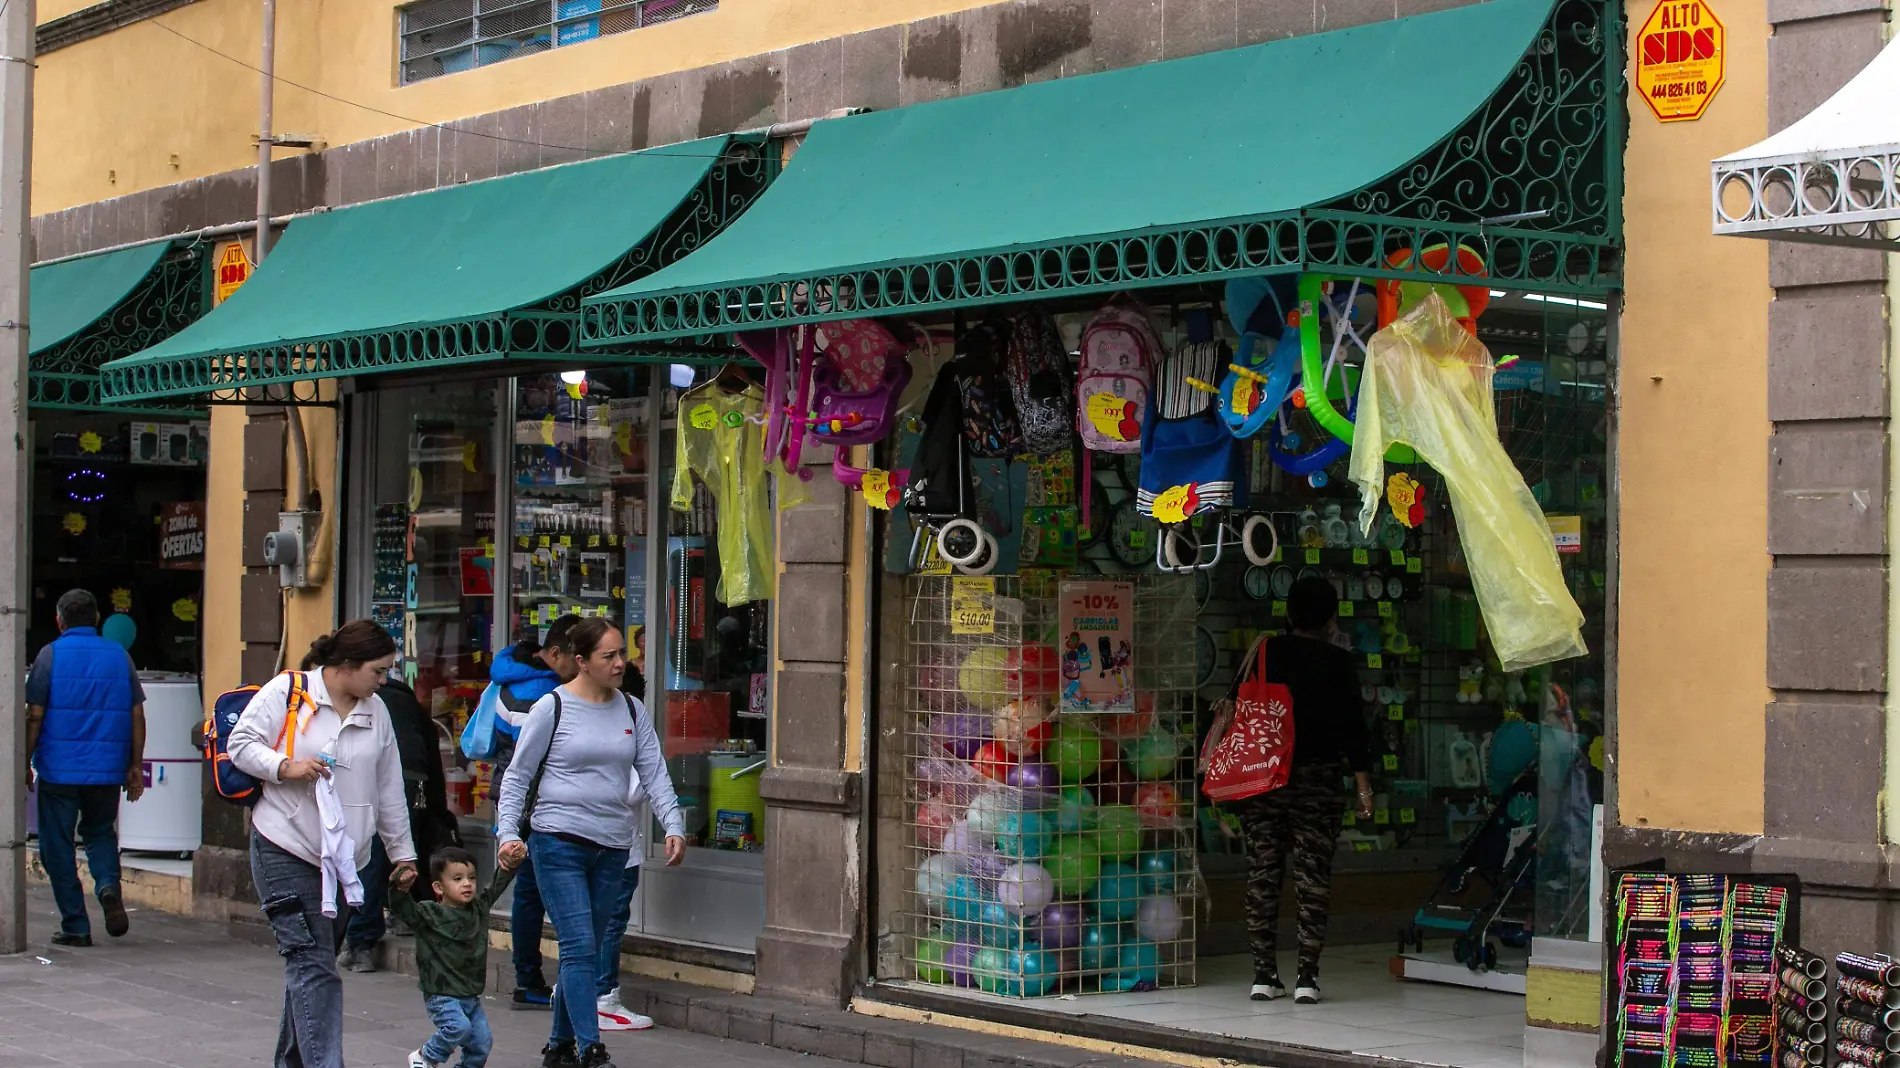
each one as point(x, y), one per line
point(341, 734)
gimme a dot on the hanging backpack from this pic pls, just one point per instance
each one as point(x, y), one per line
point(1254, 754)
point(856, 383)
point(1180, 385)
point(989, 409)
point(1119, 347)
point(1190, 466)
point(938, 476)
point(1039, 378)
point(236, 786)
point(859, 351)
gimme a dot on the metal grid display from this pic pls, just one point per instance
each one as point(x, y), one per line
point(1047, 853)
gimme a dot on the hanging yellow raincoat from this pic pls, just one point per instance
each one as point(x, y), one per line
point(1427, 384)
point(722, 440)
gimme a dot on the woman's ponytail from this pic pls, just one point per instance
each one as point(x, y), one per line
point(356, 642)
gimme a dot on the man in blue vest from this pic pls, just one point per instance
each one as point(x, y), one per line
point(85, 737)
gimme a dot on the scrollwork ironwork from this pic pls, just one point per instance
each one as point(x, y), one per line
point(67, 375)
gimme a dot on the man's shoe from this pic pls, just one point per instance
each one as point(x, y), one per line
point(61, 938)
point(1266, 988)
point(417, 1060)
point(117, 922)
point(559, 1055)
point(596, 1056)
point(346, 957)
point(362, 959)
point(1306, 990)
point(613, 1016)
point(532, 998)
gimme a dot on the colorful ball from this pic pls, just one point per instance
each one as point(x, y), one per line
point(1036, 670)
point(1159, 872)
point(934, 818)
point(934, 879)
point(1025, 889)
point(981, 677)
point(1153, 755)
point(960, 732)
point(1060, 924)
point(930, 957)
point(1073, 864)
point(1017, 720)
point(991, 968)
point(1076, 752)
point(1117, 894)
point(1101, 946)
point(1038, 777)
point(120, 628)
point(1075, 810)
point(957, 961)
point(1122, 726)
point(1039, 970)
point(1159, 919)
point(1117, 833)
point(1137, 967)
point(987, 812)
point(963, 902)
point(999, 926)
point(992, 761)
point(1158, 806)
point(1024, 836)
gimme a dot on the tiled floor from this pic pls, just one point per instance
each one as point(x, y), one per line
point(1365, 1011)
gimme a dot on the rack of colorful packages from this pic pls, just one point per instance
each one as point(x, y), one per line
point(1866, 1011)
point(1696, 970)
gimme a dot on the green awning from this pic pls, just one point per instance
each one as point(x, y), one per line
point(478, 272)
point(1186, 170)
point(67, 297)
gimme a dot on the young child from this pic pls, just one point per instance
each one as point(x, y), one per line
point(452, 956)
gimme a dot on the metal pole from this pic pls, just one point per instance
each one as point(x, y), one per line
point(16, 148)
point(266, 89)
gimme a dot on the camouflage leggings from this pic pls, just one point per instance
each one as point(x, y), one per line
point(1305, 813)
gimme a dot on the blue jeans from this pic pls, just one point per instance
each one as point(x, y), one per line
point(367, 924)
point(525, 920)
point(579, 885)
point(94, 810)
point(291, 892)
point(459, 1023)
point(609, 978)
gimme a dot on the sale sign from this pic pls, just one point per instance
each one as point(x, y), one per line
point(1098, 646)
point(1680, 59)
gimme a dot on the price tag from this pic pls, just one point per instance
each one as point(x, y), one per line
point(973, 606)
point(542, 541)
point(1374, 660)
point(567, 539)
point(1359, 557)
point(613, 540)
point(1362, 847)
point(1350, 821)
point(593, 541)
point(619, 593)
point(1138, 539)
point(1381, 816)
point(1312, 556)
point(521, 542)
point(1398, 556)
point(1391, 762)
point(1414, 566)
point(1407, 816)
point(1279, 554)
point(601, 611)
point(1385, 609)
point(1279, 608)
point(1395, 712)
point(1345, 609)
point(476, 656)
point(1597, 579)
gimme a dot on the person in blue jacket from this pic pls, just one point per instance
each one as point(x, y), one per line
point(85, 740)
point(517, 679)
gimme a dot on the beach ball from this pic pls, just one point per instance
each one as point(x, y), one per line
point(993, 762)
point(981, 678)
point(1037, 782)
point(1024, 836)
point(1117, 894)
point(930, 957)
point(986, 813)
point(934, 878)
point(1159, 919)
point(934, 818)
point(1060, 925)
point(960, 732)
point(1158, 806)
point(1014, 725)
point(991, 966)
point(1073, 864)
point(1025, 889)
point(1159, 872)
point(1076, 752)
point(1101, 946)
point(1137, 967)
point(1117, 832)
point(1035, 670)
point(1075, 810)
point(957, 961)
point(1153, 755)
point(119, 627)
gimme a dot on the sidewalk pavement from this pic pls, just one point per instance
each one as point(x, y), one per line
point(183, 993)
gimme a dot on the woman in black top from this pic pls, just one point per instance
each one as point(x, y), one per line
point(1330, 739)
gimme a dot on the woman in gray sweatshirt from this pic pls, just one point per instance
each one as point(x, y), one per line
point(564, 804)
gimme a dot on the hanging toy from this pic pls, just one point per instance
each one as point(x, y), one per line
point(881, 489)
point(1407, 497)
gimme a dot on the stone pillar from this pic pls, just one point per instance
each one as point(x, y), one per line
point(811, 949)
point(1827, 520)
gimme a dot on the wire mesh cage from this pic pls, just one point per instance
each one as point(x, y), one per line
point(1048, 851)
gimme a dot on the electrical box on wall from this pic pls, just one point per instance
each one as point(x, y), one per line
point(288, 549)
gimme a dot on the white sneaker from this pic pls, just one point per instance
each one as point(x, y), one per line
point(613, 1016)
point(1267, 992)
point(1307, 992)
point(417, 1060)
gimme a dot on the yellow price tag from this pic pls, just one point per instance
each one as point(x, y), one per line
point(1385, 609)
point(567, 539)
point(476, 656)
point(1414, 565)
point(1359, 557)
point(613, 540)
point(1312, 556)
point(1391, 762)
point(1395, 712)
point(1278, 555)
point(1374, 660)
point(619, 593)
point(1381, 816)
point(1279, 608)
point(542, 541)
point(593, 541)
point(1345, 609)
point(1350, 821)
point(1398, 556)
point(973, 606)
point(521, 542)
point(1362, 847)
point(1407, 816)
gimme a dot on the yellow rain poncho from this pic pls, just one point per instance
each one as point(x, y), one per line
point(722, 440)
point(1427, 383)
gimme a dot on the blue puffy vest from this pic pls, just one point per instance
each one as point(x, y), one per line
point(86, 737)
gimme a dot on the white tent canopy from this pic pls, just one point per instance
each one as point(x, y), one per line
point(1832, 178)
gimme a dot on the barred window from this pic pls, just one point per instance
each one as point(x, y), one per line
point(445, 36)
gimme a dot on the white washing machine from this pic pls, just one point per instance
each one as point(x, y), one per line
point(169, 818)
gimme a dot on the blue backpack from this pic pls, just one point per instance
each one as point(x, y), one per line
point(240, 787)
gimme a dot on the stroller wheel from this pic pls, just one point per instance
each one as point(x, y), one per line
point(986, 557)
point(1490, 960)
point(960, 542)
point(1461, 950)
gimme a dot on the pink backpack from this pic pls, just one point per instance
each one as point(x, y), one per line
point(843, 412)
point(858, 350)
point(1119, 348)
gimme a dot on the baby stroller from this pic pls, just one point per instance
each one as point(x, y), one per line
point(1501, 853)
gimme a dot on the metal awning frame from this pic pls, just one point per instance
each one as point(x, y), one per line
point(1849, 198)
point(66, 377)
point(1532, 182)
point(548, 333)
